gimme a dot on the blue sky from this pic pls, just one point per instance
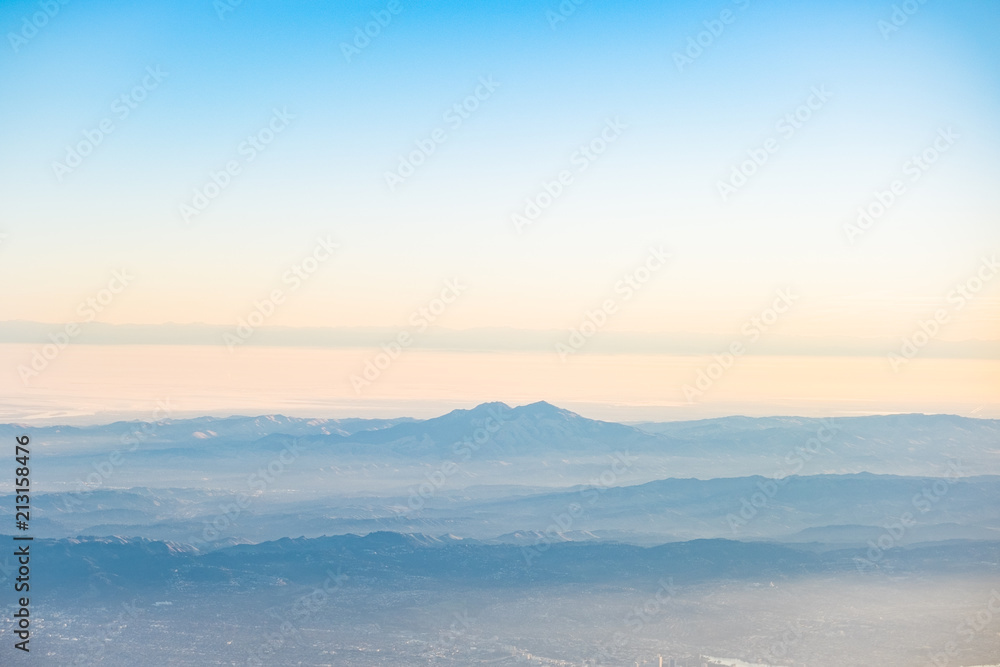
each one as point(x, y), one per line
point(559, 84)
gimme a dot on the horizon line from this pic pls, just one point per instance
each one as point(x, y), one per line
point(482, 340)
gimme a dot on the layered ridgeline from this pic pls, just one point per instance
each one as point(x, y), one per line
point(112, 567)
point(834, 509)
point(496, 472)
point(527, 535)
point(494, 444)
point(387, 598)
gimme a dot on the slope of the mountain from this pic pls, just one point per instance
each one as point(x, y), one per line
point(489, 430)
point(493, 431)
point(901, 444)
point(161, 431)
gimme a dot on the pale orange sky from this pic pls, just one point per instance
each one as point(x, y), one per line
point(916, 114)
point(127, 381)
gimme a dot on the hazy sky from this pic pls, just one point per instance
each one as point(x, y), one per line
point(310, 115)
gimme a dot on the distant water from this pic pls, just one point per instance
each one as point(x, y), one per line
point(86, 383)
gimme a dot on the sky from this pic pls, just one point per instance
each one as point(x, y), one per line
point(499, 172)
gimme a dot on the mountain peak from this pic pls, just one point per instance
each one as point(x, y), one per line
point(544, 408)
point(479, 411)
point(494, 405)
